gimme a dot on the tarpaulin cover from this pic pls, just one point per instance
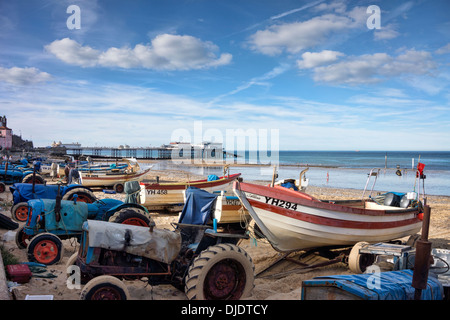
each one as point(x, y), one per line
point(289, 185)
point(213, 177)
point(22, 192)
point(159, 244)
point(198, 206)
point(72, 216)
point(392, 285)
point(12, 173)
point(132, 189)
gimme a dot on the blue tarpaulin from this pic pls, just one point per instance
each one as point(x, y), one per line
point(289, 185)
point(198, 206)
point(213, 177)
point(392, 285)
point(22, 192)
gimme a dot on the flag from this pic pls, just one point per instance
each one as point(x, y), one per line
point(420, 167)
point(419, 172)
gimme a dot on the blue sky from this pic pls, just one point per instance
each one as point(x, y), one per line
point(306, 75)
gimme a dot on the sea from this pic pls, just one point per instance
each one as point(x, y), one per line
point(340, 169)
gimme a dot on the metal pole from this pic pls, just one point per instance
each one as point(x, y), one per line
point(385, 162)
point(34, 177)
point(423, 257)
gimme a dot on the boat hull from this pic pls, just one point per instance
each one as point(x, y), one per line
point(159, 195)
point(299, 223)
point(110, 179)
point(230, 210)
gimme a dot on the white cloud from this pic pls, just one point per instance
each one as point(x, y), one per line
point(166, 52)
point(297, 36)
point(315, 59)
point(72, 52)
point(362, 69)
point(386, 33)
point(443, 50)
point(284, 14)
point(23, 76)
point(114, 114)
point(372, 68)
point(261, 80)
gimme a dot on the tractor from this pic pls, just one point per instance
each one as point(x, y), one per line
point(204, 260)
point(51, 221)
point(22, 192)
point(10, 175)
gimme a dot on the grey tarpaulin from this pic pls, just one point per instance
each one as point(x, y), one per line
point(159, 244)
point(132, 189)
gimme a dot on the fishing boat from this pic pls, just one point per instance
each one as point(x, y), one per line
point(161, 196)
point(293, 220)
point(84, 166)
point(228, 209)
point(115, 179)
point(103, 167)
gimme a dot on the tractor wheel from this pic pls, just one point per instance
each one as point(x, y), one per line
point(2, 187)
point(221, 272)
point(22, 239)
point(358, 262)
point(37, 179)
point(72, 261)
point(105, 288)
point(84, 195)
point(45, 248)
point(132, 216)
point(119, 188)
point(19, 211)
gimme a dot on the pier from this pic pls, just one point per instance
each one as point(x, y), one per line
point(205, 151)
point(107, 152)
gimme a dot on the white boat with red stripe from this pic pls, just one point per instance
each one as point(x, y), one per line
point(293, 220)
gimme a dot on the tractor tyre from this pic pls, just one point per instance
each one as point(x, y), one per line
point(84, 195)
point(2, 187)
point(71, 262)
point(22, 239)
point(37, 179)
point(119, 188)
point(19, 211)
point(358, 262)
point(132, 216)
point(105, 288)
point(221, 272)
point(45, 248)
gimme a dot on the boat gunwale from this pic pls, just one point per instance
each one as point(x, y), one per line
point(315, 203)
point(196, 183)
point(120, 176)
point(332, 222)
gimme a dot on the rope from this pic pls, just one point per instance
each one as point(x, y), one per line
point(254, 234)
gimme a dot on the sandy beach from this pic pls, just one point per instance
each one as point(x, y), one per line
point(279, 283)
